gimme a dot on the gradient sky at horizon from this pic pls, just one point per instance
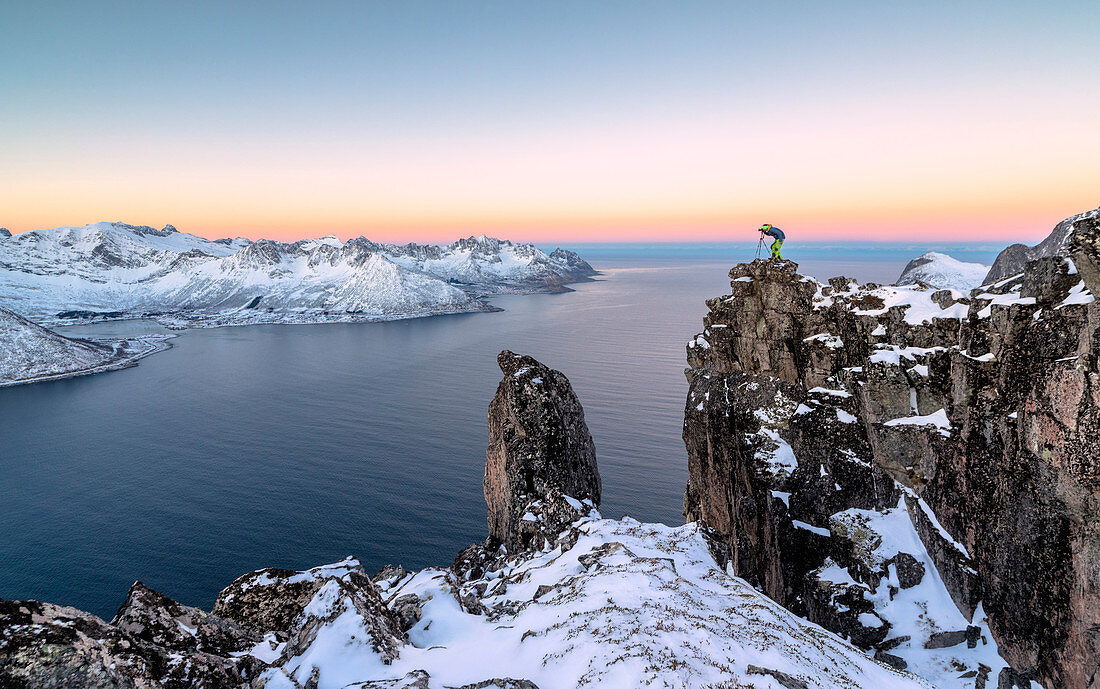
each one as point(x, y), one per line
point(614, 121)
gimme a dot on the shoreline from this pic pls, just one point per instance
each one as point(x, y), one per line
point(154, 345)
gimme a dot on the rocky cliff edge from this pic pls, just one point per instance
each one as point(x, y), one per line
point(825, 418)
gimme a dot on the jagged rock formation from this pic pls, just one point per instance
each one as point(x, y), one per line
point(29, 352)
point(265, 624)
point(49, 646)
point(1011, 260)
point(5, 232)
point(813, 408)
point(541, 462)
point(157, 619)
point(943, 272)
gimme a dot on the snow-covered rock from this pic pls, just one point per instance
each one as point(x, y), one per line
point(1012, 259)
point(912, 490)
point(628, 605)
point(30, 352)
point(943, 271)
point(114, 269)
point(622, 604)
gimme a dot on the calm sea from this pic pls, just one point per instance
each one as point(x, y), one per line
point(293, 446)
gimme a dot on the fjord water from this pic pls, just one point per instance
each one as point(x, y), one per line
point(293, 446)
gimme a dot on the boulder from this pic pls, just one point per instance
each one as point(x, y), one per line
point(270, 599)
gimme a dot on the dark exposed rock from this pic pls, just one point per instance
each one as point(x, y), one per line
point(955, 567)
point(981, 679)
point(506, 683)
point(153, 642)
point(407, 610)
point(953, 638)
point(390, 575)
point(153, 617)
point(910, 572)
point(1010, 679)
point(889, 644)
point(417, 679)
point(474, 560)
point(783, 678)
point(891, 660)
point(1006, 499)
point(541, 462)
point(4, 232)
point(45, 646)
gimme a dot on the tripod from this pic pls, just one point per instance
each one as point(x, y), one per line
point(759, 245)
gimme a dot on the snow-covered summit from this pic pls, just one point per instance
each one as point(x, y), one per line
point(943, 271)
point(130, 270)
point(1012, 259)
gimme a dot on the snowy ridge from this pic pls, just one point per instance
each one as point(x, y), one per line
point(944, 272)
point(30, 353)
point(1012, 259)
point(126, 271)
point(628, 605)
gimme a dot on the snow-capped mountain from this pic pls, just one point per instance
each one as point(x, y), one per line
point(493, 265)
point(943, 271)
point(29, 352)
point(127, 270)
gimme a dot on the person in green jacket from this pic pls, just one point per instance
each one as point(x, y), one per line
point(778, 237)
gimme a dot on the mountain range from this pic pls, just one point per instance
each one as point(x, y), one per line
point(118, 270)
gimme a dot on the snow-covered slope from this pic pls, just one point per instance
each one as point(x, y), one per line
point(493, 265)
point(127, 270)
point(29, 352)
point(628, 605)
point(943, 271)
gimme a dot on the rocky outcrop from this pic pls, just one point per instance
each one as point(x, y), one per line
point(263, 624)
point(540, 467)
point(296, 605)
point(1011, 260)
point(49, 646)
point(157, 619)
point(813, 409)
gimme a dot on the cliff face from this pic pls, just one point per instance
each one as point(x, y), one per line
point(812, 408)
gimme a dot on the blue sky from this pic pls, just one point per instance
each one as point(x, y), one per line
point(566, 119)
